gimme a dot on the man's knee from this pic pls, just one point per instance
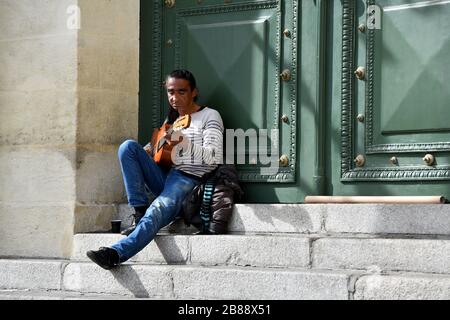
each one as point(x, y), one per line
point(164, 203)
point(165, 208)
point(127, 146)
point(152, 216)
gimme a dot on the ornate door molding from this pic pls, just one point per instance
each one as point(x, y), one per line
point(385, 149)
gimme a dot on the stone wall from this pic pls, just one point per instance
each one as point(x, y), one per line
point(108, 84)
point(67, 99)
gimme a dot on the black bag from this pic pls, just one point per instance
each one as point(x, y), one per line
point(191, 207)
point(209, 205)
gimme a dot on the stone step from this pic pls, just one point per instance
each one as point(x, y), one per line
point(31, 274)
point(379, 255)
point(185, 282)
point(14, 294)
point(429, 219)
point(402, 287)
point(271, 251)
point(63, 279)
point(252, 218)
point(225, 250)
point(172, 282)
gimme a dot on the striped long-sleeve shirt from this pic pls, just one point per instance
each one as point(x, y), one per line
point(202, 147)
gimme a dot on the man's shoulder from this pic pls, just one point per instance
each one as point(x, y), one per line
point(209, 113)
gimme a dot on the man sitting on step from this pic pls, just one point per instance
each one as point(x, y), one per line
point(196, 151)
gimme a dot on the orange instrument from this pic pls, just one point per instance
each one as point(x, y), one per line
point(162, 151)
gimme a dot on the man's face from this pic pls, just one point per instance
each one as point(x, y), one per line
point(179, 93)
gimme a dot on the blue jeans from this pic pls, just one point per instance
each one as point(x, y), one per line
point(170, 187)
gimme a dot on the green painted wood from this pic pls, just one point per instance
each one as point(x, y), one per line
point(409, 104)
point(400, 85)
point(234, 46)
point(237, 51)
point(150, 99)
point(319, 169)
point(413, 53)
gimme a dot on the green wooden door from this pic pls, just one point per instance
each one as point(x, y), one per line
point(384, 123)
point(234, 50)
point(237, 50)
point(326, 118)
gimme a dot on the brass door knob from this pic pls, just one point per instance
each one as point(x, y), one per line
point(169, 3)
point(287, 33)
point(284, 160)
point(360, 117)
point(429, 159)
point(360, 160)
point(286, 75)
point(360, 73)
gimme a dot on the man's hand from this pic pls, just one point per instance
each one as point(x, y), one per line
point(174, 138)
point(149, 149)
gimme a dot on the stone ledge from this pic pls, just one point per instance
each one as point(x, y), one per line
point(62, 279)
point(387, 219)
point(233, 283)
point(283, 251)
point(234, 250)
point(257, 218)
point(402, 287)
point(31, 274)
point(168, 282)
point(140, 281)
point(376, 255)
point(259, 251)
point(56, 295)
point(331, 219)
point(181, 282)
point(164, 250)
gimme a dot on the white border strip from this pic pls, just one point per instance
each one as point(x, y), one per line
point(416, 5)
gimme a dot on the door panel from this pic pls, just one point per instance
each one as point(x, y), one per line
point(234, 47)
point(413, 85)
point(411, 74)
point(402, 100)
point(236, 52)
point(391, 118)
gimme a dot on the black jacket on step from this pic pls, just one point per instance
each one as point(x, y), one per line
point(226, 192)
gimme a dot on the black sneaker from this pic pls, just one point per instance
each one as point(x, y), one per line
point(107, 258)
